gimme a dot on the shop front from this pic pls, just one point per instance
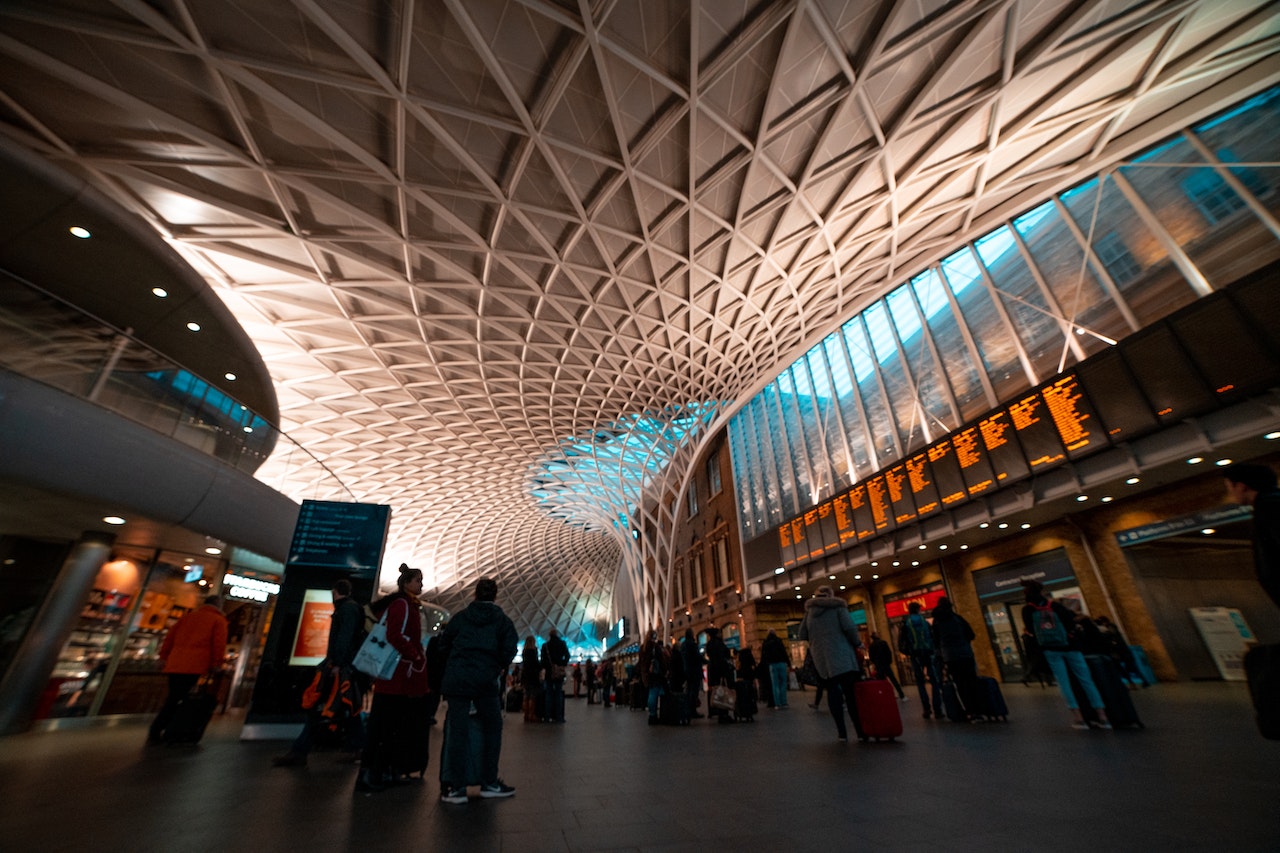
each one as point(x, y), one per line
point(1000, 593)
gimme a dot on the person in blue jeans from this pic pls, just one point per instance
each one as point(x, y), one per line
point(1053, 626)
point(555, 666)
point(915, 640)
point(480, 643)
point(773, 654)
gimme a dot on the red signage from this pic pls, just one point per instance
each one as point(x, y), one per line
point(928, 599)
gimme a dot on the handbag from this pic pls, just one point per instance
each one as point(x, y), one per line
point(377, 657)
point(808, 672)
point(723, 697)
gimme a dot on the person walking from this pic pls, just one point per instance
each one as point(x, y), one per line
point(555, 663)
point(590, 677)
point(530, 679)
point(346, 632)
point(882, 658)
point(482, 642)
point(773, 654)
point(1053, 627)
point(195, 646)
point(397, 717)
point(915, 640)
point(953, 638)
point(834, 642)
point(693, 663)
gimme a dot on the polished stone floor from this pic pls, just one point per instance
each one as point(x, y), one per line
point(1197, 778)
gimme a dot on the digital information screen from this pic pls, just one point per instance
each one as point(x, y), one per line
point(311, 636)
point(923, 489)
point(1116, 397)
point(338, 535)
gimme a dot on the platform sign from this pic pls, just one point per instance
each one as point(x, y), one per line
point(335, 535)
point(1226, 636)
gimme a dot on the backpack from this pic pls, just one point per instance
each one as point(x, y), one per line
point(917, 633)
point(1048, 628)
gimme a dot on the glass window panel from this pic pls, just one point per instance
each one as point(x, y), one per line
point(1076, 289)
point(1247, 134)
point(962, 374)
point(1037, 324)
point(882, 430)
point(850, 409)
point(769, 467)
point(897, 385)
point(788, 476)
point(807, 439)
point(837, 458)
point(999, 351)
point(1133, 256)
point(930, 390)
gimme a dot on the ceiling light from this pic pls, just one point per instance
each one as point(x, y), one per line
point(195, 327)
point(942, 547)
point(77, 231)
point(896, 564)
point(214, 551)
point(1272, 436)
point(160, 292)
point(230, 376)
point(842, 586)
point(203, 582)
point(831, 577)
point(984, 525)
point(797, 588)
point(113, 519)
point(915, 562)
point(1133, 481)
point(857, 577)
point(964, 547)
point(768, 598)
point(1222, 463)
point(1026, 525)
point(924, 547)
point(1208, 531)
point(799, 596)
point(1004, 525)
point(248, 429)
point(874, 563)
point(875, 577)
point(1195, 460)
point(1107, 499)
point(779, 570)
point(1082, 498)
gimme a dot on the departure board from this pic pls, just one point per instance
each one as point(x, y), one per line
point(1214, 350)
point(331, 534)
point(786, 546)
point(923, 489)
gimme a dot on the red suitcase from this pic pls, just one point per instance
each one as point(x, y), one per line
point(878, 709)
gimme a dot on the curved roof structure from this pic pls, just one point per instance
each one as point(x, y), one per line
point(509, 262)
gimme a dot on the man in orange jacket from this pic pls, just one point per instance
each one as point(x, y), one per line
point(196, 645)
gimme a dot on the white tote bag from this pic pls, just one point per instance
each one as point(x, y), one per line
point(377, 657)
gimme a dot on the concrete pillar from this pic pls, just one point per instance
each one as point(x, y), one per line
point(49, 632)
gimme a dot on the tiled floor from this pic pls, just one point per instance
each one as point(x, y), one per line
point(1197, 778)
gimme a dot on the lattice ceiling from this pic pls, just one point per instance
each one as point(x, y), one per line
point(479, 243)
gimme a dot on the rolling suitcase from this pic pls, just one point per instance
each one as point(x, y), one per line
point(515, 700)
point(878, 709)
point(993, 705)
point(191, 715)
point(475, 754)
point(1115, 692)
point(951, 704)
point(744, 705)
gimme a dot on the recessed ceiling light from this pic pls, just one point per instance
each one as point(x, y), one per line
point(1004, 525)
point(1222, 463)
point(1107, 499)
point(797, 588)
point(82, 233)
point(229, 376)
point(831, 577)
point(875, 577)
point(942, 547)
point(1026, 525)
point(203, 582)
point(160, 292)
point(1195, 460)
point(113, 519)
point(1208, 531)
point(1272, 436)
point(964, 547)
point(248, 429)
point(874, 563)
point(1133, 481)
point(195, 327)
point(984, 525)
point(766, 598)
point(895, 563)
point(1082, 498)
point(842, 586)
point(799, 596)
point(213, 551)
point(915, 562)
point(857, 577)
point(779, 570)
point(924, 547)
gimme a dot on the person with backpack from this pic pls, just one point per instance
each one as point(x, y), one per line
point(915, 640)
point(1053, 626)
point(953, 638)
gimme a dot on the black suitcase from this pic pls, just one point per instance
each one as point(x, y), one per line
point(673, 709)
point(475, 753)
point(639, 696)
point(191, 716)
point(951, 703)
point(1115, 692)
point(993, 700)
point(515, 700)
point(744, 707)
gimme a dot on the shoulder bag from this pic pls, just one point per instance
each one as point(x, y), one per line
point(723, 697)
point(377, 657)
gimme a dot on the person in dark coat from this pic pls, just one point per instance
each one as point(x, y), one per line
point(399, 705)
point(881, 657)
point(1255, 486)
point(834, 644)
point(530, 679)
point(346, 631)
point(482, 642)
point(745, 685)
point(555, 666)
point(590, 677)
point(773, 654)
point(693, 664)
point(953, 638)
point(719, 670)
point(654, 669)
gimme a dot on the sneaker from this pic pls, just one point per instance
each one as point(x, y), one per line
point(1104, 725)
point(456, 796)
point(1080, 726)
point(496, 789)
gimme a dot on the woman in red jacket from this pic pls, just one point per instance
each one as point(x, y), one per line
point(398, 718)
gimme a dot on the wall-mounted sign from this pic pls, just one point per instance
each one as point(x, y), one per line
point(311, 637)
point(1195, 521)
point(338, 535)
point(250, 589)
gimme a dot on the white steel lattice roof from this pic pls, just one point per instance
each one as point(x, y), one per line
point(508, 262)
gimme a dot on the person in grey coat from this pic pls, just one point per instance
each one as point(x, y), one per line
point(833, 642)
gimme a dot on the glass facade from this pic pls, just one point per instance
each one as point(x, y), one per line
point(1011, 308)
